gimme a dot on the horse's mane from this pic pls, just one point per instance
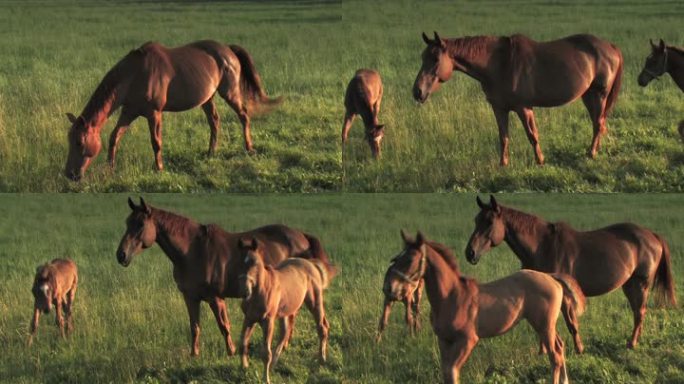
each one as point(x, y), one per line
point(676, 49)
point(523, 222)
point(446, 254)
point(469, 46)
point(106, 91)
point(175, 223)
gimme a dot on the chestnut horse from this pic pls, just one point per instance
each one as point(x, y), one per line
point(278, 292)
point(517, 74)
point(153, 79)
point(407, 291)
point(55, 285)
point(463, 311)
point(363, 97)
point(620, 255)
point(206, 259)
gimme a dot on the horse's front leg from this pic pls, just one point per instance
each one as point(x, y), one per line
point(125, 120)
point(408, 307)
point(155, 123)
point(34, 326)
point(247, 329)
point(218, 307)
point(526, 116)
point(454, 355)
point(384, 318)
point(501, 116)
point(59, 317)
point(193, 306)
point(267, 326)
point(417, 296)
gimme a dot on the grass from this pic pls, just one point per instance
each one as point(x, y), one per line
point(131, 323)
point(307, 52)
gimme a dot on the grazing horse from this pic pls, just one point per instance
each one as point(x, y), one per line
point(153, 79)
point(55, 284)
point(620, 255)
point(399, 287)
point(206, 259)
point(517, 74)
point(278, 292)
point(463, 311)
point(363, 97)
point(664, 59)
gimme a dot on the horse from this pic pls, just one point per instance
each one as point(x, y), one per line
point(55, 285)
point(206, 259)
point(153, 79)
point(620, 255)
point(406, 291)
point(278, 292)
point(363, 97)
point(463, 310)
point(517, 74)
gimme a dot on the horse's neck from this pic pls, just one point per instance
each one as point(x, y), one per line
point(675, 66)
point(440, 280)
point(175, 239)
point(471, 55)
point(523, 235)
point(107, 96)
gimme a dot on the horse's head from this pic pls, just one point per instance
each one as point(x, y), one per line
point(437, 68)
point(655, 65)
point(44, 286)
point(374, 137)
point(407, 268)
point(489, 230)
point(84, 145)
point(141, 232)
point(250, 251)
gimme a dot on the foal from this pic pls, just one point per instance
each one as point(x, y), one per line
point(55, 284)
point(363, 97)
point(399, 287)
point(279, 292)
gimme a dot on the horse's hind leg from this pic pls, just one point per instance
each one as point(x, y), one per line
point(596, 105)
point(213, 119)
point(636, 290)
point(526, 116)
point(218, 307)
point(554, 350)
point(314, 302)
point(572, 322)
point(232, 95)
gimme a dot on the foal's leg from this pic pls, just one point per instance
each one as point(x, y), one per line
point(454, 355)
point(348, 120)
point(232, 95)
point(59, 317)
point(218, 307)
point(154, 121)
point(526, 116)
point(549, 339)
point(193, 306)
point(291, 333)
point(247, 329)
point(501, 116)
point(572, 322)
point(417, 296)
point(636, 290)
point(33, 326)
point(125, 120)
point(284, 336)
point(596, 104)
point(314, 302)
point(68, 308)
point(408, 315)
point(213, 119)
point(267, 328)
point(384, 319)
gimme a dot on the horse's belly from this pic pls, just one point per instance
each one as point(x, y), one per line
point(181, 97)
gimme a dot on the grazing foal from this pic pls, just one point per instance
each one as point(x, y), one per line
point(279, 292)
point(55, 284)
point(363, 97)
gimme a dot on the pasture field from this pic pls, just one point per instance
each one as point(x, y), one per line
point(54, 53)
point(131, 323)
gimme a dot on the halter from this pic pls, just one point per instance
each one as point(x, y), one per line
point(663, 70)
point(415, 277)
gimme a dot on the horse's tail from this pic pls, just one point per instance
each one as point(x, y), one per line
point(615, 89)
point(250, 83)
point(316, 252)
point(663, 277)
point(572, 293)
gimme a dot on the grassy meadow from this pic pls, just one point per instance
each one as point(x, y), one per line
point(131, 323)
point(54, 53)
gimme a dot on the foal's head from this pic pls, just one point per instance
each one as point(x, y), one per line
point(437, 68)
point(489, 230)
point(407, 268)
point(44, 286)
point(84, 145)
point(141, 232)
point(655, 65)
point(254, 263)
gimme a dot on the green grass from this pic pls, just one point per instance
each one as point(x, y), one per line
point(53, 55)
point(131, 323)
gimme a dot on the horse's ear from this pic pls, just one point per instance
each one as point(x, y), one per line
point(71, 117)
point(420, 239)
point(661, 45)
point(439, 41)
point(426, 39)
point(653, 46)
point(144, 206)
point(131, 204)
point(255, 244)
point(405, 237)
point(480, 203)
point(494, 204)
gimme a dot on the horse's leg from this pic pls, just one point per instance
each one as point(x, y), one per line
point(213, 119)
point(267, 328)
point(34, 326)
point(384, 319)
point(125, 120)
point(408, 308)
point(68, 308)
point(59, 317)
point(418, 295)
point(218, 306)
point(550, 341)
point(232, 95)
point(560, 348)
point(501, 116)
point(348, 120)
point(526, 116)
point(596, 104)
point(314, 302)
point(247, 329)
point(193, 306)
point(291, 333)
point(572, 323)
point(454, 355)
point(284, 334)
point(636, 290)
point(155, 123)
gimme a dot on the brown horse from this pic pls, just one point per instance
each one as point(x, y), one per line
point(399, 287)
point(153, 79)
point(278, 293)
point(363, 97)
point(464, 311)
point(517, 73)
point(55, 284)
point(621, 255)
point(206, 259)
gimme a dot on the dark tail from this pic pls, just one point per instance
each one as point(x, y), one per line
point(250, 83)
point(572, 293)
point(617, 83)
point(316, 252)
point(663, 277)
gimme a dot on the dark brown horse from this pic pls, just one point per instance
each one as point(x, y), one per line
point(206, 259)
point(464, 311)
point(621, 255)
point(517, 74)
point(363, 97)
point(153, 79)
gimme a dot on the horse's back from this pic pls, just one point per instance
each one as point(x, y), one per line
point(363, 90)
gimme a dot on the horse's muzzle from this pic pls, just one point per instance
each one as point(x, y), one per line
point(122, 259)
point(419, 96)
point(471, 256)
